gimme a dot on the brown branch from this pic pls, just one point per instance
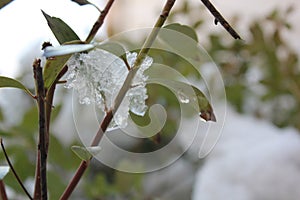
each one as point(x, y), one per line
point(109, 115)
point(220, 18)
point(3, 195)
point(99, 21)
point(13, 170)
point(42, 150)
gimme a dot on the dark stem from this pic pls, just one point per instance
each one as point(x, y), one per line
point(40, 92)
point(109, 115)
point(220, 18)
point(14, 171)
point(37, 188)
point(99, 21)
point(2, 191)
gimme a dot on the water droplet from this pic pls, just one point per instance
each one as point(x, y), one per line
point(183, 98)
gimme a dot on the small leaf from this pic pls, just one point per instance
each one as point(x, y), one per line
point(4, 3)
point(192, 96)
point(189, 94)
point(85, 153)
point(81, 2)
point(60, 29)
point(9, 82)
point(116, 49)
point(3, 171)
point(206, 111)
point(184, 29)
point(53, 67)
point(181, 38)
point(85, 2)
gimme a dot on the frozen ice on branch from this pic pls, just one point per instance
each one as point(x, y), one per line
point(98, 76)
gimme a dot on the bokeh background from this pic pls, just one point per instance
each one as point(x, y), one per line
point(257, 154)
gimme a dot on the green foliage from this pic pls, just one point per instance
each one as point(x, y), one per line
point(264, 69)
point(60, 29)
point(9, 82)
point(181, 38)
point(64, 34)
point(53, 67)
point(184, 29)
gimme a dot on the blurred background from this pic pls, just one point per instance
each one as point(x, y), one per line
point(257, 154)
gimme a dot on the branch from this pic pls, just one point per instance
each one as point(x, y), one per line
point(13, 170)
point(220, 18)
point(3, 194)
point(99, 22)
point(109, 115)
point(42, 150)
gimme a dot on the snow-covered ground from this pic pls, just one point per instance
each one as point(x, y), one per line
point(252, 160)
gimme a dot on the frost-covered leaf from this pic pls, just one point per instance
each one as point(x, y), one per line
point(116, 49)
point(3, 171)
point(60, 29)
point(85, 153)
point(9, 82)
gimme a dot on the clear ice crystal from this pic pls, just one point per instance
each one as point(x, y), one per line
point(98, 76)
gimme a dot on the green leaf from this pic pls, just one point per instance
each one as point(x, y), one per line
point(9, 82)
point(4, 3)
point(52, 68)
point(3, 171)
point(206, 111)
point(60, 29)
point(190, 95)
point(81, 2)
point(116, 49)
point(54, 65)
point(181, 38)
point(85, 153)
point(184, 29)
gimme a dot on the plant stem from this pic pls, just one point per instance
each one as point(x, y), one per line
point(40, 92)
point(109, 115)
point(13, 170)
point(220, 18)
point(99, 21)
point(3, 195)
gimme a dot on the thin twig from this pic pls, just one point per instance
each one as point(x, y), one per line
point(3, 195)
point(13, 170)
point(220, 18)
point(99, 21)
point(40, 92)
point(109, 115)
point(85, 163)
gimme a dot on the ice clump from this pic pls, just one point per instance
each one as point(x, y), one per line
point(98, 76)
